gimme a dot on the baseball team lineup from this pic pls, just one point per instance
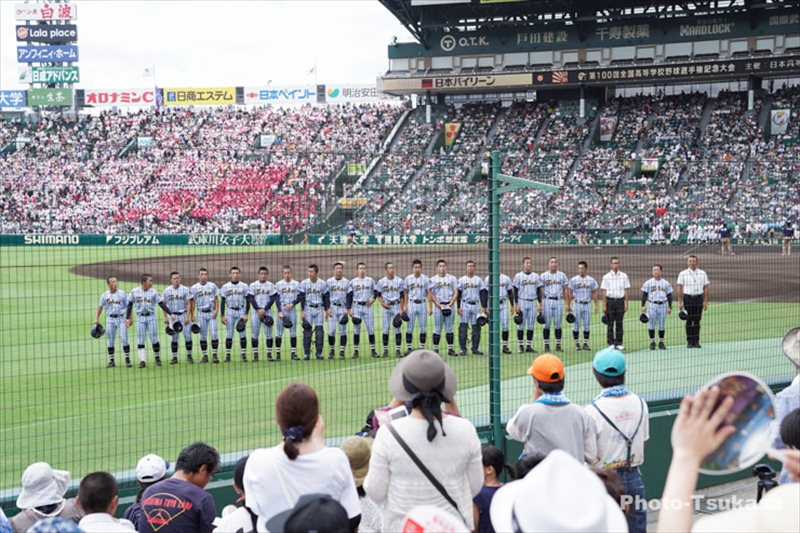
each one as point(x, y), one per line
point(530, 298)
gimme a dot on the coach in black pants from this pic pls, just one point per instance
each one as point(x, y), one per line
point(615, 287)
point(693, 298)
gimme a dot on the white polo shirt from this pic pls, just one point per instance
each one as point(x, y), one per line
point(615, 284)
point(693, 281)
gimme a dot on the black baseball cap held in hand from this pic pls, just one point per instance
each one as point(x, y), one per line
point(313, 512)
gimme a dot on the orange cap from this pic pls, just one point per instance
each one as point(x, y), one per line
point(547, 368)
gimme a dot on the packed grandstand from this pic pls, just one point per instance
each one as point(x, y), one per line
point(203, 173)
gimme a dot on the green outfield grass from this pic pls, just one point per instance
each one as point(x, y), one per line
point(60, 404)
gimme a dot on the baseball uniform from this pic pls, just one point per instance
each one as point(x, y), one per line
point(442, 290)
point(287, 295)
point(315, 298)
point(178, 302)
point(659, 295)
point(527, 285)
point(553, 284)
point(264, 295)
point(145, 303)
point(390, 291)
point(205, 302)
point(234, 303)
point(115, 304)
point(472, 296)
point(416, 291)
point(506, 297)
point(341, 292)
point(363, 296)
point(787, 232)
point(584, 290)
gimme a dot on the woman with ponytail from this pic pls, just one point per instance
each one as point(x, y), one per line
point(275, 478)
point(448, 446)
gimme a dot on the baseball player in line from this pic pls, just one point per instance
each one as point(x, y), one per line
point(416, 304)
point(527, 287)
point(288, 290)
point(341, 304)
point(314, 295)
point(658, 292)
point(235, 300)
point(178, 298)
point(443, 292)
point(364, 296)
point(114, 301)
point(582, 292)
point(264, 296)
point(472, 299)
point(390, 293)
point(506, 298)
point(204, 310)
point(554, 289)
point(145, 299)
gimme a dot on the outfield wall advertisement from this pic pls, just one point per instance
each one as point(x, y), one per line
point(251, 239)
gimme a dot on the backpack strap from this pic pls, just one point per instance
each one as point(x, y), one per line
point(628, 440)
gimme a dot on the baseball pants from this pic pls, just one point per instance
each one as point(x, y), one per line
point(583, 316)
point(657, 312)
point(233, 317)
point(528, 308)
point(469, 314)
point(616, 312)
point(146, 325)
point(338, 312)
point(207, 325)
point(291, 314)
point(112, 326)
point(368, 319)
point(315, 315)
point(187, 330)
point(387, 315)
point(417, 314)
point(439, 321)
point(256, 326)
point(553, 311)
point(504, 315)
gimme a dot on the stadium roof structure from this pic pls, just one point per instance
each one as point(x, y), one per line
point(422, 18)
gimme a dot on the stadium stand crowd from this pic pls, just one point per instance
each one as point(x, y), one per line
point(200, 171)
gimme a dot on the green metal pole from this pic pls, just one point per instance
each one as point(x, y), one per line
point(494, 302)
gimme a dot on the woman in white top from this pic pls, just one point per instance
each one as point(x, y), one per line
point(394, 481)
point(275, 478)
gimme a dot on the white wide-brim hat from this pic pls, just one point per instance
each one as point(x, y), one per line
point(42, 485)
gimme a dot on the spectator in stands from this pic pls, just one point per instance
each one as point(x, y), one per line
point(621, 418)
point(551, 421)
point(42, 496)
point(179, 503)
point(149, 470)
point(787, 400)
point(547, 500)
point(453, 459)
point(359, 451)
point(526, 463)
point(243, 519)
point(5, 525)
point(313, 512)
point(98, 497)
point(494, 463)
point(55, 524)
point(301, 464)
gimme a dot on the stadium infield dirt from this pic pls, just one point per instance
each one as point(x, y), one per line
point(754, 274)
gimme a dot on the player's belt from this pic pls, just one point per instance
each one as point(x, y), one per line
point(363, 303)
point(615, 299)
point(472, 302)
point(235, 308)
point(206, 310)
point(527, 299)
point(391, 303)
point(656, 303)
point(178, 312)
point(582, 303)
point(114, 316)
point(418, 301)
point(553, 297)
point(145, 314)
point(338, 304)
point(314, 305)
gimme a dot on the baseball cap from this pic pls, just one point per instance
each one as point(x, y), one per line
point(547, 368)
point(313, 512)
point(151, 468)
point(609, 362)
